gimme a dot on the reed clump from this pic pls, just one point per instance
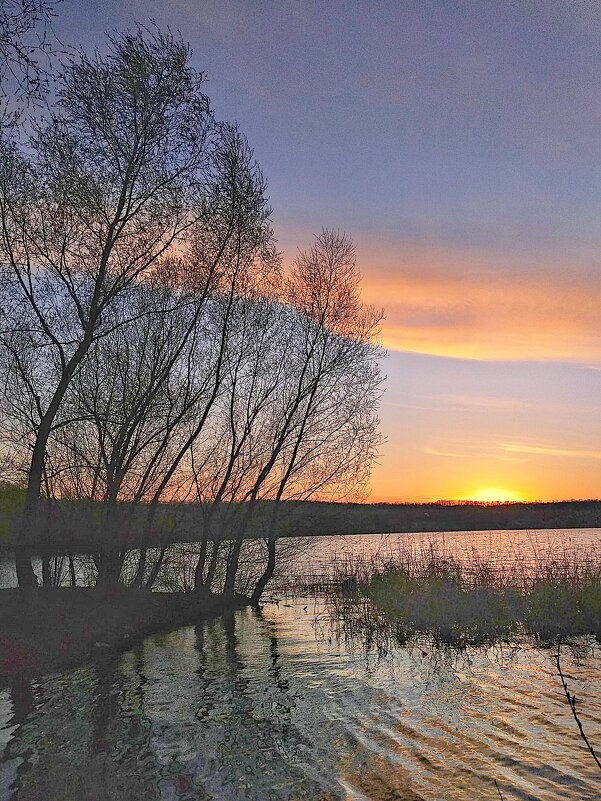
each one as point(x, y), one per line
point(475, 599)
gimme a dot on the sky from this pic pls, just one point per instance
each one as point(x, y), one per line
point(458, 144)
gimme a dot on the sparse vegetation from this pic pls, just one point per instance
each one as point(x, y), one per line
point(427, 591)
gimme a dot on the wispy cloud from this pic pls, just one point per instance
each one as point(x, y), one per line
point(450, 454)
point(479, 452)
point(543, 450)
point(456, 304)
point(484, 402)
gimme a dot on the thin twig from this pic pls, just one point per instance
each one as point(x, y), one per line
point(499, 791)
point(572, 702)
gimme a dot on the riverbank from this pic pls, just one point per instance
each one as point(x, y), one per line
point(57, 628)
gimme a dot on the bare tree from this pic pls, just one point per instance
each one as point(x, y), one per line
point(224, 470)
point(120, 412)
point(317, 433)
point(153, 356)
point(332, 438)
point(26, 47)
point(250, 268)
point(146, 390)
point(112, 183)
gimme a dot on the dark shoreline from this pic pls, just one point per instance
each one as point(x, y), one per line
point(47, 630)
point(64, 531)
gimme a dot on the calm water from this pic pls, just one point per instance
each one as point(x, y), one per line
point(313, 557)
point(502, 550)
point(274, 705)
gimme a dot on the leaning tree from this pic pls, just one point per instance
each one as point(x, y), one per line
point(302, 418)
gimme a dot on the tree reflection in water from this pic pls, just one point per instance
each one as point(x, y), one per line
point(254, 706)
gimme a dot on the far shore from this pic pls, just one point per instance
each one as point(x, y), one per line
point(63, 533)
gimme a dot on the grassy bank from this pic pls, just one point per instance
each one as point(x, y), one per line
point(51, 629)
point(471, 601)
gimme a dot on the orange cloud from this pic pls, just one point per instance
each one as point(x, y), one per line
point(478, 306)
point(506, 429)
point(540, 450)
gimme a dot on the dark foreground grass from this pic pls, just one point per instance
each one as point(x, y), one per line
point(473, 601)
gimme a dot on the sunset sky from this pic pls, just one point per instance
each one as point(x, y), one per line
point(459, 143)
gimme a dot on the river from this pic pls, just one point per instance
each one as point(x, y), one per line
point(281, 704)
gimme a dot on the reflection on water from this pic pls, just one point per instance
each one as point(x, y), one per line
point(502, 551)
point(272, 706)
point(311, 560)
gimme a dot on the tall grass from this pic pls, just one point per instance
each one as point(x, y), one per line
point(552, 593)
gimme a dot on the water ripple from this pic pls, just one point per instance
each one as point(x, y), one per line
point(260, 706)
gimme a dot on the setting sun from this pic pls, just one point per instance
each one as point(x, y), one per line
point(494, 495)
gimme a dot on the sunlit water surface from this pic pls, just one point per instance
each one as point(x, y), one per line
point(272, 705)
point(503, 551)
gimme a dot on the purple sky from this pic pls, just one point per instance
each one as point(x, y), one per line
point(458, 143)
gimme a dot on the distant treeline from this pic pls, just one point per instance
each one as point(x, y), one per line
point(64, 528)
point(449, 516)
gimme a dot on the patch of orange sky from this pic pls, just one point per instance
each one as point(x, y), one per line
point(462, 303)
point(470, 305)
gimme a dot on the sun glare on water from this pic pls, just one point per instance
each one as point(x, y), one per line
point(494, 495)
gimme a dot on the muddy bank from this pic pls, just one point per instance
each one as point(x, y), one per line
point(50, 629)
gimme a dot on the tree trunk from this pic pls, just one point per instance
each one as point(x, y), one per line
point(25, 573)
point(109, 568)
point(46, 580)
point(154, 573)
point(139, 577)
point(26, 576)
point(208, 582)
point(72, 571)
point(200, 566)
point(232, 568)
point(267, 573)
point(111, 559)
